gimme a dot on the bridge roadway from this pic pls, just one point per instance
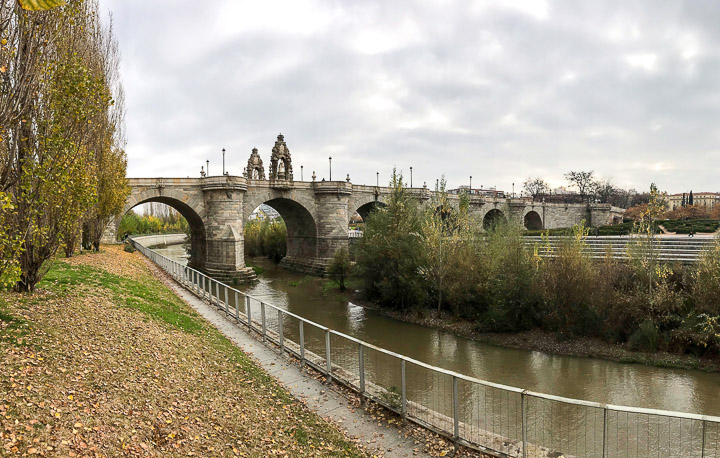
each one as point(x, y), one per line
point(316, 214)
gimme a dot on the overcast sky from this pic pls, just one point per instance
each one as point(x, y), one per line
point(500, 90)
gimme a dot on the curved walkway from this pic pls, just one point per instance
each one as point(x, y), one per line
point(379, 438)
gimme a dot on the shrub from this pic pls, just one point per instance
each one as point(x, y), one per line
point(567, 282)
point(646, 337)
point(705, 283)
point(512, 299)
point(129, 248)
point(339, 268)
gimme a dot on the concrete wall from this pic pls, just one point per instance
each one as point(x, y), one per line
point(160, 239)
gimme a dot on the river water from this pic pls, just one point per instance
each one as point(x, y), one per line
point(574, 377)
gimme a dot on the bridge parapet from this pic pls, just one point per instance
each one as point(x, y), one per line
point(223, 182)
point(316, 214)
point(332, 187)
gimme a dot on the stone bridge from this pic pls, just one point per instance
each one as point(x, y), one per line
point(316, 213)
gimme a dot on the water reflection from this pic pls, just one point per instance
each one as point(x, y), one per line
point(574, 377)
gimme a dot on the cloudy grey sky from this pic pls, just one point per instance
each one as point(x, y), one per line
point(500, 90)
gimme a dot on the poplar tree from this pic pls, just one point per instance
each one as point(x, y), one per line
point(55, 124)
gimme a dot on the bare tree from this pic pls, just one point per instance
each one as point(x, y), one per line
point(583, 181)
point(535, 187)
point(605, 190)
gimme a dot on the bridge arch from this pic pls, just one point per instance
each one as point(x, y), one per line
point(193, 212)
point(532, 221)
point(300, 222)
point(492, 218)
point(365, 209)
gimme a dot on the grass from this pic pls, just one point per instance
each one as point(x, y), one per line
point(152, 297)
point(113, 363)
point(12, 328)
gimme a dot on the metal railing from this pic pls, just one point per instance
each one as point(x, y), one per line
point(491, 417)
point(663, 249)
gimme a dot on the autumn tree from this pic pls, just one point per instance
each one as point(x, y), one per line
point(54, 100)
point(535, 187)
point(444, 229)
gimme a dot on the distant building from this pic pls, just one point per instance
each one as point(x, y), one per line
point(492, 192)
point(700, 199)
point(563, 191)
point(264, 212)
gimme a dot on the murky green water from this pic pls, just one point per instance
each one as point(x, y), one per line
point(574, 377)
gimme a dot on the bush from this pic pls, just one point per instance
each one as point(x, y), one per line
point(568, 282)
point(129, 248)
point(646, 337)
point(339, 268)
point(512, 299)
point(705, 282)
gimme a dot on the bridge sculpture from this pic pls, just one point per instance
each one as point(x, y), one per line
point(316, 213)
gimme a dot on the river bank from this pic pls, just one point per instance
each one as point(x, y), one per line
point(105, 360)
point(548, 342)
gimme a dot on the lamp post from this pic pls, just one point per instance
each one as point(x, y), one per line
point(377, 179)
point(301, 174)
point(411, 176)
point(330, 160)
point(470, 184)
point(223, 161)
point(513, 190)
point(207, 167)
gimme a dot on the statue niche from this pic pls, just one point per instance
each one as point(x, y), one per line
point(280, 162)
point(255, 169)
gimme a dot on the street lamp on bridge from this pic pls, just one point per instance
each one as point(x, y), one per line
point(223, 150)
point(207, 167)
point(330, 159)
point(411, 176)
point(377, 179)
point(301, 173)
point(470, 184)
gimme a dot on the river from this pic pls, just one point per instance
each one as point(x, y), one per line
point(575, 377)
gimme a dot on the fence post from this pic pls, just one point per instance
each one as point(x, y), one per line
point(456, 412)
point(605, 433)
point(361, 369)
point(302, 344)
point(237, 307)
point(281, 337)
point(262, 319)
point(523, 413)
point(328, 364)
point(248, 312)
point(227, 304)
point(403, 389)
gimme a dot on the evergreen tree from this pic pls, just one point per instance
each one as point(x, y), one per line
point(683, 203)
point(690, 198)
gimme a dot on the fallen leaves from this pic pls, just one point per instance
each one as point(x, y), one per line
point(91, 377)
